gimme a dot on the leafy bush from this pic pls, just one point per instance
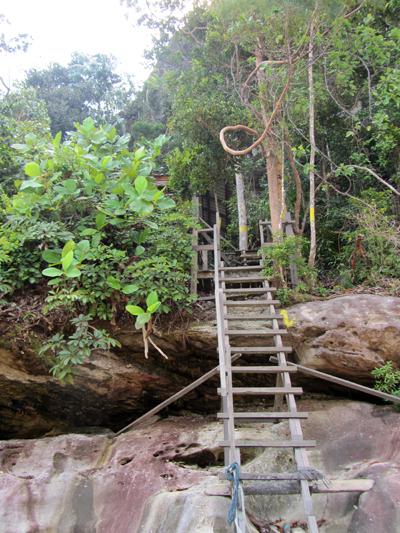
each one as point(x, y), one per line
point(387, 378)
point(285, 251)
point(88, 228)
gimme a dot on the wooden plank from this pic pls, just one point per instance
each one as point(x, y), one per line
point(202, 274)
point(249, 279)
point(270, 443)
point(262, 369)
point(246, 290)
point(239, 268)
point(201, 247)
point(310, 475)
point(285, 415)
point(318, 487)
point(344, 382)
point(267, 316)
point(177, 396)
point(205, 230)
point(248, 303)
point(256, 332)
point(260, 349)
point(263, 391)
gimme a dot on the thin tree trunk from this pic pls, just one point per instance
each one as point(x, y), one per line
point(311, 94)
point(299, 189)
point(274, 175)
point(242, 213)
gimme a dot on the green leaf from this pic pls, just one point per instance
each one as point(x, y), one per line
point(153, 307)
point(142, 320)
point(88, 231)
point(70, 185)
point(32, 170)
point(114, 283)
point(100, 220)
point(68, 246)
point(52, 272)
point(130, 289)
point(141, 184)
point(51, 256)
point(166, 203)
point(139, 250)
point(67, 260)
point(73, 272)
point(152, 298)
point(30, 184)
point(83, 247)
point(135, 310)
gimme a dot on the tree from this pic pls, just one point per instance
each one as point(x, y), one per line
point(87, 86)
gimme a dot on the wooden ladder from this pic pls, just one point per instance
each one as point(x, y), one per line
point(242, 293)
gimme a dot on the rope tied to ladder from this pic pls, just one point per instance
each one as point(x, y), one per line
point(233, 474)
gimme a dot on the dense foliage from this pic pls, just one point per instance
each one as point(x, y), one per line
point(88, 228)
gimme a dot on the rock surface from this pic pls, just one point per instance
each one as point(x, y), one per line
point(152, 480)
point(347, 336)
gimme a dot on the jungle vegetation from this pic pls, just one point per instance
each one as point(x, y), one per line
point(87, 239)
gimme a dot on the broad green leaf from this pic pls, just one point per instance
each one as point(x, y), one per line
point(30, 184)
point(130, 289)
point(52, 272)
point(100, 220)
point(134, 310)
point(166, 203)
point(32, 170)
point(142, 320)
point(152, 298)
point(153, 307)
point(141, 184)
point(57, 140)
point(114, 283)
point(67, 260)
point(83, 246)
point(139, 250)
point(70, 185)
point(51, 256)
point(68, 246)
point(73, 272)
point(88, 231)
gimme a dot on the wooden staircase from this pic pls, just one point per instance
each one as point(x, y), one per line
point(243, 294)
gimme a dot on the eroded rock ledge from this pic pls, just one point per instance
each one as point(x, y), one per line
point(347, 336)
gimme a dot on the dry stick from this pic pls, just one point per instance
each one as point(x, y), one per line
point(157, 348)
point(145, 343)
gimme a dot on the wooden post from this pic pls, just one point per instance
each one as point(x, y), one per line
point(294, 278)
point(195, 243)
point(242, 213)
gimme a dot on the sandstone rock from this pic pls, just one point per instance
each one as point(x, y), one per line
point(149, 480)
point(347, 336)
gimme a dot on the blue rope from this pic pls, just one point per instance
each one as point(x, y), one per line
point(233, 474)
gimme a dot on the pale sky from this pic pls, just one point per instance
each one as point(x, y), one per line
point(60, 27)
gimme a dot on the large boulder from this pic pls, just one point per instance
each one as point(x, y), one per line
point(154, 479)
point(347, 336)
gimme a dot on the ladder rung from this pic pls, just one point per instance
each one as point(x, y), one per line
point(269, 443)
point(260, 349)
point(267, 316)
point(249, 290)
point(203, 247)
point(254, 391)
point(262, 416)
point(245, 280)
point(263, 369)
point(261, 303)
point(309, 474)
point(247, 267)
point(256, 332)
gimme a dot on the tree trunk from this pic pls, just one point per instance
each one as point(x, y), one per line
point(311, 95)
point(274, 175)
point(242, 213)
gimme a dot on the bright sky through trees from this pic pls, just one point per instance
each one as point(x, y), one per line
point(60, 27)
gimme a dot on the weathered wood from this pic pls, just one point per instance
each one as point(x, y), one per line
point(267, 316)
point(177, 396)
point(201, 247)
point(239, 268)
point(195, 242)
point(343, 382)
point(255, 332)
point(253, 279)
point(270, 443)
point(310, 475)
point(251, 303)
point(318, 487)
point(261, 349)
point(243, 290)
point(265, 391)
point(285, 415)
point(262, 369)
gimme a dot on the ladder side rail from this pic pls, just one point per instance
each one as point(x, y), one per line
point(294, 278)
point(296, 432)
